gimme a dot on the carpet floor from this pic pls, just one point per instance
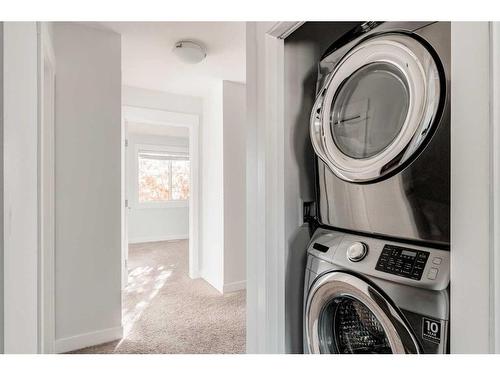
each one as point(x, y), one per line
point(165, 311)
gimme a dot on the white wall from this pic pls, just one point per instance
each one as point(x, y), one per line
point(20, 187)
point(234, 117)
point(1, 188)
point(88, 175)
point(262, 333)
point(153, 223)
point(471, 280)
point(495, 185)
point(212, 189)
point(223, 232)
point(138, 97)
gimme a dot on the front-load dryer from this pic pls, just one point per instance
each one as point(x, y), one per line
point(380, 127)
point(368, 295)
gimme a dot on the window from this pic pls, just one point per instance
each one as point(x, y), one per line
point(163, 176)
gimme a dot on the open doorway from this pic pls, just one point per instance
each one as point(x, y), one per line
point(160, 169)
point(183, 255)
point(161, 294)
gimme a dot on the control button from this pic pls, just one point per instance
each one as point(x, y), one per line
point(432, 274)
point(357, 251)
point(437, 260)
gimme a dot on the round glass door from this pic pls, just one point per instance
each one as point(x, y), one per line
point(347, 315)
point(377, 107)
point(369, 110)
point(347, 326)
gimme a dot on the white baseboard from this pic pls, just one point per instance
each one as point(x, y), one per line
point(158, 238)
point(234, 286)
point(195, 275)
point(85, 340)
point(216, 283)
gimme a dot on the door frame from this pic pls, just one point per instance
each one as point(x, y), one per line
point(495, 186)
point(191, 122)
point(266, 185)
point(29, 272)
point(475, 187)
point(20, 216)
point(46, 189)
point(265, 188)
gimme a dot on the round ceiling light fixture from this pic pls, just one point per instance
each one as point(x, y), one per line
point(190, 52)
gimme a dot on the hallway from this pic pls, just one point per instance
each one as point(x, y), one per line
point(165, 311)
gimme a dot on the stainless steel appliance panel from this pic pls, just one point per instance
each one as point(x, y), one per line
point(413, 204)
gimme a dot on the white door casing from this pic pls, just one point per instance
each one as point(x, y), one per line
point(191, 122)
point(266, 186)
point(21, 219)
point(495, 185)
point(46, 165)
point(472, 196)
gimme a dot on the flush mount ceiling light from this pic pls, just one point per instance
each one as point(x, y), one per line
point(190, 52)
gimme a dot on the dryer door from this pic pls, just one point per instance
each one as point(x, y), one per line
point(346, 315)
point(377, 107)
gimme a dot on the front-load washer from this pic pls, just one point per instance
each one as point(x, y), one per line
point(368, 295)
point(380, 127)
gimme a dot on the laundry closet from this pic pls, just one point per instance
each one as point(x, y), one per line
point(367, 170)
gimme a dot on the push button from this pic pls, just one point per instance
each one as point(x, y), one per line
point(437, 260)
point(432, 274)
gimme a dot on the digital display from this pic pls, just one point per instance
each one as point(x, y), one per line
point(402, 261)
point(409, 253)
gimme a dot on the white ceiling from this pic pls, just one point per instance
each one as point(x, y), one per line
point(151, 129)
point(148, 61)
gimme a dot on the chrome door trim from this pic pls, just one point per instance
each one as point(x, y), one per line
point(342, 284)
point(418, 66)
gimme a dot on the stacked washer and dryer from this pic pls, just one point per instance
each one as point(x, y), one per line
point(378, 265)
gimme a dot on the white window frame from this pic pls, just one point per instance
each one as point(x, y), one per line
point(135, 203)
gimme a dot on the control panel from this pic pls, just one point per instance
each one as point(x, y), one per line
point(402, 261)
point(415, 265)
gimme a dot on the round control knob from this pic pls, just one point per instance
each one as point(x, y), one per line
point(357, 251)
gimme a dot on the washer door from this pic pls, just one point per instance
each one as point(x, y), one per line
point(346, 315)
point(377, 107)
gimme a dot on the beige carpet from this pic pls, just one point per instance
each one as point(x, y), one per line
point(167, 312)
